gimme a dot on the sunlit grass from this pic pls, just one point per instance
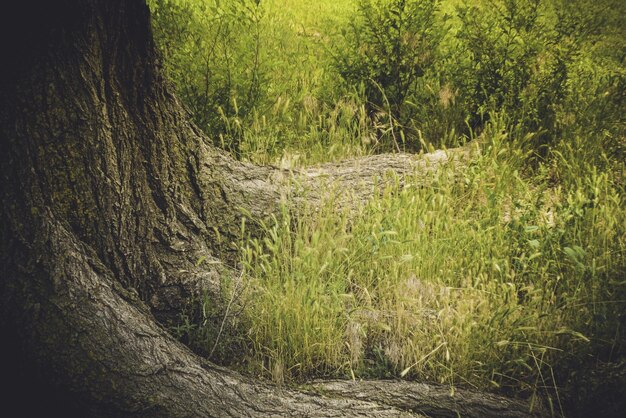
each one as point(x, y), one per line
point(489, 280)
point(304, 123)
point(503, 275)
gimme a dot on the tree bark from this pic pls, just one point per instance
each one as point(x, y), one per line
point(431, 400)
point(109, 199)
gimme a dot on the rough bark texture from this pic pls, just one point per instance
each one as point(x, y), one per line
point(430, 400)
point(109, 198)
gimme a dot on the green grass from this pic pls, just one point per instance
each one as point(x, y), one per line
point(491, 280)
point(508, 275)
point(303, 122)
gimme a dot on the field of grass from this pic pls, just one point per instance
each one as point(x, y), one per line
point(510, 276)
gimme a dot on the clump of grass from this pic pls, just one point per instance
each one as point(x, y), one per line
point(297, 297)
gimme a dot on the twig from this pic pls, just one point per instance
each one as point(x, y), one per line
point(230, 303)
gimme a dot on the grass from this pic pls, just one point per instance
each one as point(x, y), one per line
point(303, 122)
point(507, 276)
point(492, 281)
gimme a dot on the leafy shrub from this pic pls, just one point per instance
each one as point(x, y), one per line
point(534, 60)
point(595, 101)
point(513, 65)
point(390, 45)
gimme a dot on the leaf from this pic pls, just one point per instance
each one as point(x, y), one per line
point(200, 261)
point(534, 243)
point(570, 253)
point(573, 333)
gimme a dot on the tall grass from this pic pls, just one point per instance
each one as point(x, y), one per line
point(508, 275)
point(257, 77)
point(496, 279)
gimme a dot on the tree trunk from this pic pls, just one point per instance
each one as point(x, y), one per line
point(109, 198)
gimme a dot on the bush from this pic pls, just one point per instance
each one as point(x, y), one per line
point(513, 63)
point(534, 60)
point(390, 45)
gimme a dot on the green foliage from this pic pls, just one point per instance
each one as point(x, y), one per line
point(596, 98)
point(391, 44)
point(425, 72)
point(212, 52)
point(514, 64)
point(497, 281)
point(524, 57)
point(258, 84)
point(508, 275)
